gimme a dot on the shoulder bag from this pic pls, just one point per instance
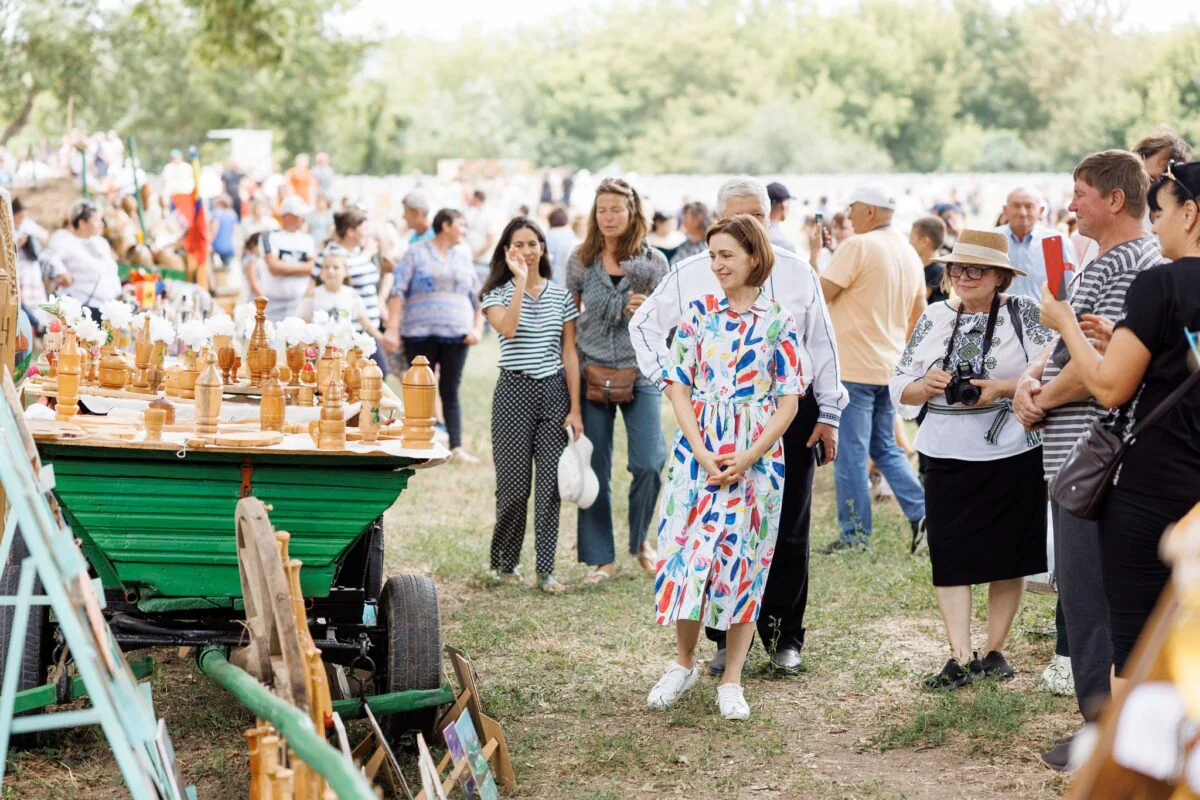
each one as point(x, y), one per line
point(609, 387)
point(1081, 485)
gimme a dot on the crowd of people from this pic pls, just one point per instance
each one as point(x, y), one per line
point(776, 360)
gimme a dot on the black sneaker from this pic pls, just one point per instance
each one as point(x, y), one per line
point(841, 545)
point(1058, 757)
point(918, 534)
point(992, 665)
point(952, 676)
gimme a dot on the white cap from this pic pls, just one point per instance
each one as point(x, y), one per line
point(416, 201)
point(873, 194)
point(577, 483)
point(295, 206)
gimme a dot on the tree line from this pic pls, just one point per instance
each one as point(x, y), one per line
point(758, 86)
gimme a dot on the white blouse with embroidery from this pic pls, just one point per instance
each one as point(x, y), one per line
point(971, 433)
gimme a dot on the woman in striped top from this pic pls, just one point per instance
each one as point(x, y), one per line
point(537, 394)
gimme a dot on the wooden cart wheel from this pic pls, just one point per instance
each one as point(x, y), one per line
point(412, 619)
point(274, 654)
point(39, 636)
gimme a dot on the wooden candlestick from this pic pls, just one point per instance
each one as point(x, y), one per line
point(370, 393)
point(272, 407)
point(155, 419)
point(420, 392)
point(208, 398)
point(331, 427)
point(68, 378)
point(142, 349)
point(260, 356)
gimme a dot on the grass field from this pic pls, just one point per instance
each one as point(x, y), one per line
point(567, 676)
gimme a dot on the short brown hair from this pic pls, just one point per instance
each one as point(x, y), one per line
point(931, 228)
point(1006, 279)
point(1112, 170)
point(1162, 138)
point(750, 234)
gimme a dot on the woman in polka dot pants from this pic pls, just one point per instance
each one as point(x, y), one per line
point(536, 397)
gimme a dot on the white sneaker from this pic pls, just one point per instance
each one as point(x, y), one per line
point(672, 686)
point(732, 702)
point(1058, 677)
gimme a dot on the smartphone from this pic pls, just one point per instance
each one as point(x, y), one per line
point(819, 453)
point(820, 219)
point(1052, 253)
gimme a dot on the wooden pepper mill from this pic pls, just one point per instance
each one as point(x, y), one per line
point(208, 398)
point(331, 427)
point(420, 391)
point(143, 348)
point(68, 378)
point(325, 368)
point(260, 356)
point(371, 394)
point(272, 406)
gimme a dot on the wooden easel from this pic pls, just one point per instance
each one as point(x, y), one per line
point(1101, 776)
point(495, 748)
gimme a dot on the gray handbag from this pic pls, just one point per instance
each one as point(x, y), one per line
point(1082, 484)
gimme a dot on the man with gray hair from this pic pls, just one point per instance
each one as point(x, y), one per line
point(1023, 210)
point(795, 285)
point(416, 217)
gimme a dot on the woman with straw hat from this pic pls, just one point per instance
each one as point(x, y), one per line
point(985, 499)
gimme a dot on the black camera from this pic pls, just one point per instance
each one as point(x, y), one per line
point(960, 389)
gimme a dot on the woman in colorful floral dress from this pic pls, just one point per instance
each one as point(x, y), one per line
point(734, 382)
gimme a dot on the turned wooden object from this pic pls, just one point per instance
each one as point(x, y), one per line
point(351, 376)
point(158, 356)
point(295, 362)
point(272, 406)
point(331, 428)
point(226, 356)
point(208, 398)
point(142, 350)
point(155, 418)
point(371, 395)
point(260, 356)
point(190, 373)
point(68, 378)
point(306, 391)
point(325, 368)
point(167, 408)
point(420, 392)
point(114, 373)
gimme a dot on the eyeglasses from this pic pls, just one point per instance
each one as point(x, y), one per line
point(1169, 174)
point(972, 272)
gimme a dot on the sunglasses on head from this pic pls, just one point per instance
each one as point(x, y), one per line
point(971, 271)
point(1169, 174)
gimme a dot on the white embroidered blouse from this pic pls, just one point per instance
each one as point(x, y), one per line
point(971, 433)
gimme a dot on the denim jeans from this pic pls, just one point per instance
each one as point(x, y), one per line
point(867, 430)
point(647, 455)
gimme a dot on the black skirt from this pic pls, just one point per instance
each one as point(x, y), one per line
point(986, 519)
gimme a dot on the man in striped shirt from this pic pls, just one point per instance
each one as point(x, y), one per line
point(797, 288)
point(1109, 199)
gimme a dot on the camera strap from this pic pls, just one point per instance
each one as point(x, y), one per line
point(987, 334)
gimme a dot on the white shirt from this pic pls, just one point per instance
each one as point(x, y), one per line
point(94, 278)
point(292, 248)
point(793, 283)
point(345, 304)
point(560, 242)
point(970, 433)
point(178, 178)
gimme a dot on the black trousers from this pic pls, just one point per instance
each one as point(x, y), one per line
point(785, 598)
point(450, 356)
point(1085, 608)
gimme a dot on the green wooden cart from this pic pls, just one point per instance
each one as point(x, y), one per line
point(157, 525)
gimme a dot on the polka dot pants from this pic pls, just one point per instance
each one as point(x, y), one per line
point(527, 429)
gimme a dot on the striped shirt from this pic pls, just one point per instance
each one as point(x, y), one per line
point(536, 349)
point(1098, 289)
point(363, 273)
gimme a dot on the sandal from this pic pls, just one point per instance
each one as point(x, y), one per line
point(648, 558)
point(600, 575)
point(550, 585)
point(501, 576)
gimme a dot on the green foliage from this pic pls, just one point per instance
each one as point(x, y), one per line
point(656, 86)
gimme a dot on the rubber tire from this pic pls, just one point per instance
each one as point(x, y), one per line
point(411, 616)
point(373, 577)
point(39, 636)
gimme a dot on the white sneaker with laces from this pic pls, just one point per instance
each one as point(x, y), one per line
point(732, 702)
point(672, 686)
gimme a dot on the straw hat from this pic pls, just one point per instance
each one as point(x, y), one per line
point(981, 248)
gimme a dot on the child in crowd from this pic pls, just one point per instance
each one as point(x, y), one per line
point(253, 264)
point(221, 229)
point(734, 380)
point(537, 395)
point(336, 297)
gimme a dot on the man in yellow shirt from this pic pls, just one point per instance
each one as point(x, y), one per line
point(875, 288)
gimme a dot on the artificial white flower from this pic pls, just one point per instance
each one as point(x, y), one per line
point(365, 343)
point(314, 334)
point(243, 315)
point(161, 330)
point(320, 317)
point(220, 325)
point(340, 335)
point(194, 335)
point(117, 313)
point(86, 330)
point(67, 309)
point(292, 331)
